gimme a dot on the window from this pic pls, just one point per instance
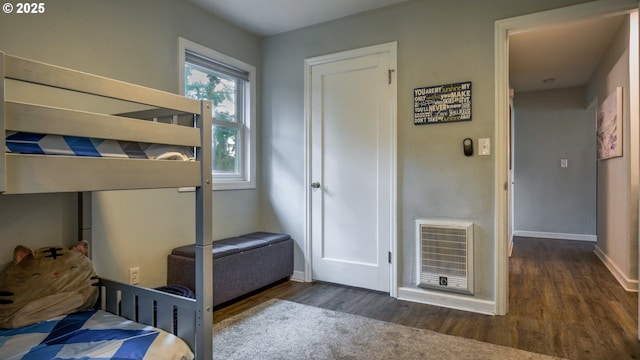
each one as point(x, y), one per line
point(230, 86)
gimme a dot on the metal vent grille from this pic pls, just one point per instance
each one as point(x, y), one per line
point(445, 255)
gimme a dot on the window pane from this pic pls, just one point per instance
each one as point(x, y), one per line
point(220, 89)
point(225, 142)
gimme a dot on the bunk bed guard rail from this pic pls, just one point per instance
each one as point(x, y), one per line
point(28, 173)
point(172, 313)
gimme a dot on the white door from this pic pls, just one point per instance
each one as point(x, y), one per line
point(352, 169)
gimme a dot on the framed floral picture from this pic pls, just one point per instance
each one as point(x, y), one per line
point(609, 126)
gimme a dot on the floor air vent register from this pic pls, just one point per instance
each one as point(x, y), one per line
point(445, 255)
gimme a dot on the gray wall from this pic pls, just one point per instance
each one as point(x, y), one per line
point(34, 221)
point(618, 177)
point(135, 41)
point(552, 125)
point(439, 42)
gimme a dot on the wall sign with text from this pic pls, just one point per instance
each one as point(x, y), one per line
point(442, 103)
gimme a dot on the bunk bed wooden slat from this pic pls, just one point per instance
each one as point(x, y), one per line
point(186, 328)
point(145, 310)
point(112, 300)
point(48, 120)
point(164, 322)
point(128, 304)
point(40, 73)
point(41, 174)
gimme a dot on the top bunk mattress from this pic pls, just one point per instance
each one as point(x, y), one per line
point(48, 144)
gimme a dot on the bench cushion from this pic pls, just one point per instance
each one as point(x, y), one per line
point(234, 245)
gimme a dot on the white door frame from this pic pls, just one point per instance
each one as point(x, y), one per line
point(503, 28)
point(390, 48)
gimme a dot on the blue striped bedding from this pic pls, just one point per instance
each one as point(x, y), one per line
point(91, 335)
point(48, 144)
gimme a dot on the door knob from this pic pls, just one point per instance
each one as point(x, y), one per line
point(315, 185)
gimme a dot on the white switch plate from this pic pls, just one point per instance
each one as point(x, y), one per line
point(484, 146)
point(564, 163)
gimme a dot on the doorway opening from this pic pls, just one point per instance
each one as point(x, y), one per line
point(503, 30)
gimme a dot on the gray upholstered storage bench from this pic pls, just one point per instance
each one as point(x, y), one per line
point(240, 264)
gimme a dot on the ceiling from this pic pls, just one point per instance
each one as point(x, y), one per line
point(568, 54)
point(270, 17)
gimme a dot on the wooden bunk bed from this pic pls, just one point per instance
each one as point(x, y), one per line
point(157, 118)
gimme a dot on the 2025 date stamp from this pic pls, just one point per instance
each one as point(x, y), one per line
point(23, 8)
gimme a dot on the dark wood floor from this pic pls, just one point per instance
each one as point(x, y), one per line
point(563, 302)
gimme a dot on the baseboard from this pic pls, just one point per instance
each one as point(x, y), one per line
point(297, 276)
point(453, 301)
point(625, 282)
point(560, 236)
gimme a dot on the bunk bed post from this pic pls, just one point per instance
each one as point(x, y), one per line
point(3, 183)
point(84, 219)
point(204, 262)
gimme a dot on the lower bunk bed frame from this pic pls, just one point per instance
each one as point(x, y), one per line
point(172, 313)
point(189, 319)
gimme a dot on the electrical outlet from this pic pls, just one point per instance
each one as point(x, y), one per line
point(134, 275)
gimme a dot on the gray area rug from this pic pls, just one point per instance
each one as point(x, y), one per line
point(282, 330)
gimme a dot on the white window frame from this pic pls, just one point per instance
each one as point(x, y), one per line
point(247, 173)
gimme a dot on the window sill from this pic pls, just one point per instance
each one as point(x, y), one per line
point(236, 185)
point(244, 185)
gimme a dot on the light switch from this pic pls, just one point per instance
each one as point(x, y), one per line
point(564, 163)
point(484, 146)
